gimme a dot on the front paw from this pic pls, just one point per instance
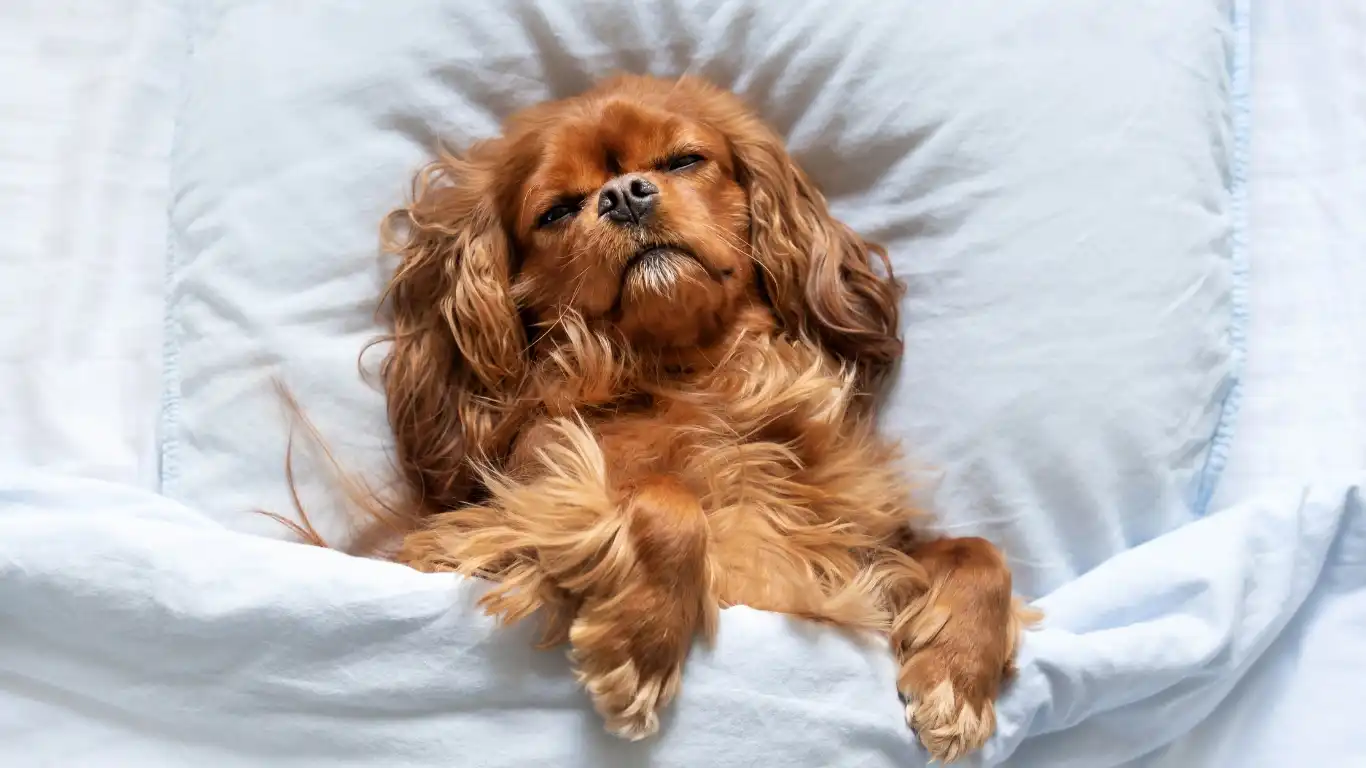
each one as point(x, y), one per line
point(628, 694)
point(957, 645)
point(950, 701)
point(628, 652)
point(953, 667)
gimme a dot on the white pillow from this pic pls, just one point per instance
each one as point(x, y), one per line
point(1050, 176)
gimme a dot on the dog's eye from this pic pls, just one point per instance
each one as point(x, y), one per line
point(680, 162)
point(557, 212)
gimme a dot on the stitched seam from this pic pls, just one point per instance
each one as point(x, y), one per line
point(1240, 105)
point(169, 423)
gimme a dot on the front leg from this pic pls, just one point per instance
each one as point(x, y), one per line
point(956, 644)
point(618, 562)
point(631, 637)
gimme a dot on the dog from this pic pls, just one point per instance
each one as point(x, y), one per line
point(633, 371)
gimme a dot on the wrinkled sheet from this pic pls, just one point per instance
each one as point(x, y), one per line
point(88, 90)
point(1303, 410)
point(136, 631)
point(93, 673)
point(1304, 400)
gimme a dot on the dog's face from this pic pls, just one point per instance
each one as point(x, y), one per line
point(631, 214)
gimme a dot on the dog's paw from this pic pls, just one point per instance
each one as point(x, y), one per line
point(950, 681)
point(629, 699)
point(949, 723)
point(628, 654)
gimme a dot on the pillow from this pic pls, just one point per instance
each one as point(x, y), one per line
point(1051, 178)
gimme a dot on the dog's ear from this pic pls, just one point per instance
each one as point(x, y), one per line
point(821, 276)
point(824, 280)
point(458, 349)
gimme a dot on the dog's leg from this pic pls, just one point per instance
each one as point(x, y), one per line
point(618, 564)
point(632, 634)
point(956, 644)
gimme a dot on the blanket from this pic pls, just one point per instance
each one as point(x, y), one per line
point(137, 631)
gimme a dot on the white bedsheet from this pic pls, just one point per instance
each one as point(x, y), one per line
point(1304, 395)
point(1303, 411)
point(87, 96)
point(82, 202)
point(87, 104)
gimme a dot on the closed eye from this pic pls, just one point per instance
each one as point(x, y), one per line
point(679, 162)
point(559, 211)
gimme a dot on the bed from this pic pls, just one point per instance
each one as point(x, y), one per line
point(1248, 671)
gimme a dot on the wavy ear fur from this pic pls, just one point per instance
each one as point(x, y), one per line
point(824, 281)
point(458, 344)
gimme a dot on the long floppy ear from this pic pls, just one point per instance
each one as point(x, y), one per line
point(822, 277)
point(458, 344)
point(825, 281)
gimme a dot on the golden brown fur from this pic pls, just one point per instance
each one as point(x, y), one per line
point(630, 439)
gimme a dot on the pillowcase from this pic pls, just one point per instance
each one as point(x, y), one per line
point(1051, 178)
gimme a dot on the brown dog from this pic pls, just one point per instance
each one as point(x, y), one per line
point(632, 376)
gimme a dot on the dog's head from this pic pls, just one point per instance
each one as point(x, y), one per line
point(649, 209)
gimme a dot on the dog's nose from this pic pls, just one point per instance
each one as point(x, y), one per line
point(628, 199)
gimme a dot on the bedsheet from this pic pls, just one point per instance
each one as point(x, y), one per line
point(82, 145)
point(88, 91)
point(136, 631)
point(87, 95)
point(1303, 407)
point(1303, 410)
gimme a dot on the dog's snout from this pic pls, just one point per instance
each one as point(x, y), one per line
point(628, 199)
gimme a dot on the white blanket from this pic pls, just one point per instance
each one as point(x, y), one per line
point(135, 631)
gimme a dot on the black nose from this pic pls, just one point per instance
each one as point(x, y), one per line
point(628, 199)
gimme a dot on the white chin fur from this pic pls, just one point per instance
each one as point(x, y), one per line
point(660, 273)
